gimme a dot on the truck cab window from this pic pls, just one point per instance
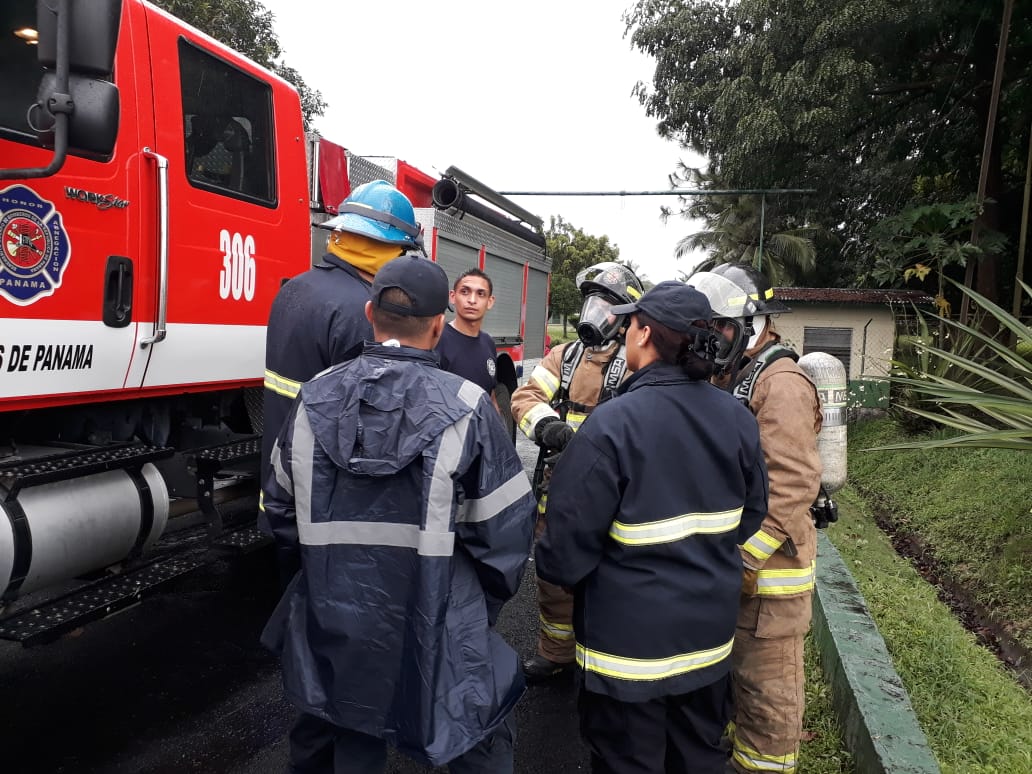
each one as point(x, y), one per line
point(20, 71)
point(227, 127)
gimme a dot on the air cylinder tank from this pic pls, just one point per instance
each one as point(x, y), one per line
point(829, 376)
point(57, 531)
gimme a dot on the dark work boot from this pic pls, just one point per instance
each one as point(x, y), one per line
point(538, 669)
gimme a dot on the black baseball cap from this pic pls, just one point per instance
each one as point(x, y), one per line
point(422, 280)
point(671, 303)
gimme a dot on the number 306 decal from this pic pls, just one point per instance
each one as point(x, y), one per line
point(238, 266)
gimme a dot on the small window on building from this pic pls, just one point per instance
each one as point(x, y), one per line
point(228, 127)
point(837, 342)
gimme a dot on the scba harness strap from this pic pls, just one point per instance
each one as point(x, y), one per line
point(824, 510)
point(612, 375)
point(560, 402)
point(746, 382)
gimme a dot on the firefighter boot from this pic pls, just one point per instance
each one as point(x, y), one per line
point(556, 644)
point(538, 669)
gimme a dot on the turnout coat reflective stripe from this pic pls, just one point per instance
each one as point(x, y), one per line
point(413, 517)
point(317, 321)
point(645, 511)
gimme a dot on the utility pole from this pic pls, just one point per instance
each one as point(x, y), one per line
point(1019, 272)
point(983, 177)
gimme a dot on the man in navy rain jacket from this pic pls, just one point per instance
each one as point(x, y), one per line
point(410, 507)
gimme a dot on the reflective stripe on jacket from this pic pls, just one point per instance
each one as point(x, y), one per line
point(646, 508)
point(317, 321)
point(412, 513)
point(531, 401)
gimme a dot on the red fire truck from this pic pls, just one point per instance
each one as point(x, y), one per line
point(155, 192)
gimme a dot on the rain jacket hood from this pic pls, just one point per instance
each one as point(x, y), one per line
point(387, 416)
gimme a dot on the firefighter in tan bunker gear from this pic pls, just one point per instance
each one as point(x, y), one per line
point(561, 392)
point(780, 558)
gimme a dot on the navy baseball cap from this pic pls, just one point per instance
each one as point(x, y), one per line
point(422, 280)
point(672, 304)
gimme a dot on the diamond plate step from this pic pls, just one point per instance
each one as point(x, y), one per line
point(96, 601)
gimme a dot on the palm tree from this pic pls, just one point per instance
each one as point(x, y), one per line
point(732, 234)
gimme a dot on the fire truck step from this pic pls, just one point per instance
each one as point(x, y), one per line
point(96, 601)
point(208, 462)
point(61, 466)
point(243, 540)
point(216, 458)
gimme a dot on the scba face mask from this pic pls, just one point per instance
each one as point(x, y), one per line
point(597, 324)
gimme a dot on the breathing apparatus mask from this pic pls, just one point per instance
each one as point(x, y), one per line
point(604, 286)
point(597, 324)
point(741, 299)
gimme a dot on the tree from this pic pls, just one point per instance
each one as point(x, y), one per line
point(856, 98)
point(926, 240)
point(564, 299)
point(572, 250)
point(247, 26)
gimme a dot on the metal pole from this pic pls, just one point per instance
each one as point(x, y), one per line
point(763, 223)
point(1020, 270)
point(983, 175)
point(669, 192)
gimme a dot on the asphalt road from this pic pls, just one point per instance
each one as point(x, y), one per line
point(180, 684)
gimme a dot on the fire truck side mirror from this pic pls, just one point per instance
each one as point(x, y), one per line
point(79, 38)
point(93, 126)
point(92, 36)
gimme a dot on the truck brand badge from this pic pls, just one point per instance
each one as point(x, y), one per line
point(35, 249)
point(103, 201)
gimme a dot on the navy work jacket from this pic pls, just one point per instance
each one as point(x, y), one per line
point(646, 508)
point(413, 517)
point(317, 321)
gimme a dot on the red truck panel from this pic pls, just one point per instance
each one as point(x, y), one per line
point(227, 256)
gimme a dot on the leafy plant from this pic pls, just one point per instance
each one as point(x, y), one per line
point(927, 238)
point(981, 386)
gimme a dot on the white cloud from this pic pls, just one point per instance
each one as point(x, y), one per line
point(526, 96)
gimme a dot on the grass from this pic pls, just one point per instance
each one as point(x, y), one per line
point(822, 750)
point(556, 332)
point(975, 715)
point(972, 507)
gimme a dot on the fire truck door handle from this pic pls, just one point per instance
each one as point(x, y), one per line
point(118, 292)
point(160, 321)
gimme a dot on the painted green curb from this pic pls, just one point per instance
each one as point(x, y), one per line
point(873, 709)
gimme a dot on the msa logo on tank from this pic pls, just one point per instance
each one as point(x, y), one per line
point(34, 248)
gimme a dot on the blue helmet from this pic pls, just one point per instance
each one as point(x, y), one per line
point(379, 211)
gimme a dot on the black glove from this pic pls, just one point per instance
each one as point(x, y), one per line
point(553, 433)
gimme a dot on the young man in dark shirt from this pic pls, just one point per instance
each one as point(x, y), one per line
point(464, 348)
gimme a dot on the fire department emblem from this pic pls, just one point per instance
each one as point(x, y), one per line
point(34, 248)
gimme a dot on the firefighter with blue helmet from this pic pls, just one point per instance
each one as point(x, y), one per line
point(318, 318)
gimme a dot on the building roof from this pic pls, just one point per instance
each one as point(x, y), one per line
point(853, 296)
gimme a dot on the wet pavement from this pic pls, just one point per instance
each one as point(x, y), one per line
point(180, 684)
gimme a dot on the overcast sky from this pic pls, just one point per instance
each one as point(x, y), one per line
point(531, 95)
